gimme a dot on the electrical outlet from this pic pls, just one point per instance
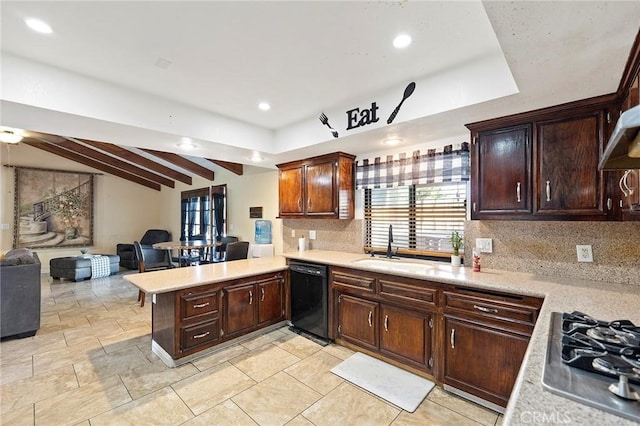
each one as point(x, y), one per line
point(585, 254)
point(312, 235)
point(5, 226)
point(293, 233)
point(484, 245)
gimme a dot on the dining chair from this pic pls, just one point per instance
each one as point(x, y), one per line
point(221, 248)
point(144, 267)
point(237, 250)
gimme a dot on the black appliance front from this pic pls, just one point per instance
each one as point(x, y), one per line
point(309, 294)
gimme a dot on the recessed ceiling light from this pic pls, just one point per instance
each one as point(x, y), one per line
point(401, 41)
point(38, 25)
point(187, 144)
point(264, 106)
point(392, 141)
point(10, 136)
point(256, 157)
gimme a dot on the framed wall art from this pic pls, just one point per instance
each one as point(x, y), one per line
point(52, 208)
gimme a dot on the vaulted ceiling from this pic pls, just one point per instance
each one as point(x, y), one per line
point(145, 167)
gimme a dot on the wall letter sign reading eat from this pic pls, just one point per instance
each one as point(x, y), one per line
point(357, 118)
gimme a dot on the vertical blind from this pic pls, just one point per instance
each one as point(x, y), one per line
point(423, 208)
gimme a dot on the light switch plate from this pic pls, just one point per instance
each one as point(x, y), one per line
point(293, 233)
point(585, 254)
point(484, 245)
point(312, 235)
point(5, 226)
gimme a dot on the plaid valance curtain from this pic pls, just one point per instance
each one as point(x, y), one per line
point(403, 169)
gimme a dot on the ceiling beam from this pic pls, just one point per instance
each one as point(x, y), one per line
point(116, 162)
point(139, 159)
point(62, 152)
point(236, 168)
point(183, 163)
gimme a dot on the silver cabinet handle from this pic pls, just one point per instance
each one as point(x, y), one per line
point(309, 203)
point(262, 296)
point(483, 309)
point(548, 190)
point(518, 192)
point(250, 297)
point(609, 203)
point(200, 336)
point(299, 203)
point(386, 323)
point(474, 207)
point(453, 338)
point(201, 305)
point(370, 315)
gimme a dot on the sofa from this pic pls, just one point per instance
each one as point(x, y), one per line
point(19, 293)
point(127, 253)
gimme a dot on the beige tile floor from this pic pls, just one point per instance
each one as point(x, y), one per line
point(91, 364)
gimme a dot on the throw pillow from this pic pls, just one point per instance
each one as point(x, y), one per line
point(18, 252)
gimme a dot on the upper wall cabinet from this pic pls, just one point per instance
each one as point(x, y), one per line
point(541, 165)
point(501, 172)
point(318, 187)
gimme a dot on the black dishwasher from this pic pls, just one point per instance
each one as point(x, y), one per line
point(309, 293)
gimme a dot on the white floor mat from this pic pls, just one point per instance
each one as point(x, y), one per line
point(399, 387)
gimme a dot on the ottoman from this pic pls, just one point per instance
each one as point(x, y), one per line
point(78, 268)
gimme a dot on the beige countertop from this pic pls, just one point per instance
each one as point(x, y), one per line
point(529, 400)
point(178, 278)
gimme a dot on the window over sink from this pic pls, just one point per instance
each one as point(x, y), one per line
point(422, 217)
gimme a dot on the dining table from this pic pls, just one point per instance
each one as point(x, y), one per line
point(186, 248)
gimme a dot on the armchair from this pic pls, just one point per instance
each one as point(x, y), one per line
point(127, 253)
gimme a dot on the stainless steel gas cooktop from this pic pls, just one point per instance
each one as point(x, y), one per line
point(594, 362)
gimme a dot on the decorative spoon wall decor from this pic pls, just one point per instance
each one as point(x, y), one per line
point(408, 91)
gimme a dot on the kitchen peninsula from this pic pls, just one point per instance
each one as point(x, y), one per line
point(529, 401)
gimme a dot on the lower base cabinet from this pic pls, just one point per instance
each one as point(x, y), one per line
point(190, 320)
point(471, 339)
point(482, 360)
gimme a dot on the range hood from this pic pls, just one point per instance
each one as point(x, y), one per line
point(623, 149)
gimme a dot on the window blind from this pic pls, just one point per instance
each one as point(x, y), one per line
point(422, 217)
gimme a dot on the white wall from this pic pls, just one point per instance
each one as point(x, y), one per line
point(257, 188)
point(122, 210)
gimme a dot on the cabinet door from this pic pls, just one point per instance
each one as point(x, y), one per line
point(405, 335)
point(568, 180)
point(501, 167)
point(239, 308)
point(481, 360)
point(358, 321)
point(271, 300)
point(320, 189)
point(290, 185)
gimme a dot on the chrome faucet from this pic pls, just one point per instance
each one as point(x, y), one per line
point(389, 251)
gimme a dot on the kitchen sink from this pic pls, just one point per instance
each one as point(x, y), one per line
point(392, 265)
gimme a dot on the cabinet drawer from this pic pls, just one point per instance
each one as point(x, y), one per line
point(198, 304)
point(360, 282)
point(408, 292)
point(495, 307)
point(199, 334)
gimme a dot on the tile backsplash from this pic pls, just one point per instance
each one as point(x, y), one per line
point(331, 234)
point(549, 248)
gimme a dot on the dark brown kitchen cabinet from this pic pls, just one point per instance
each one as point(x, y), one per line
point(252, 303)
point(239, 308)
point(482, 360)
point(358, 321)
point(541, 165)
point(387, 315)
point(568, 180)
point(485, 338)
point(271, 300)
point(318, 187)
point(290, 192)
point(406, 335)
point(501, 163)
